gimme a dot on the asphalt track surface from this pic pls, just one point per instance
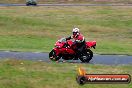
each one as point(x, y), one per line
point(69, 5)
point(40, 56)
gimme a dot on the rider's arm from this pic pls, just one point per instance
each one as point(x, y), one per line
point(68, 38)
point(80, 40)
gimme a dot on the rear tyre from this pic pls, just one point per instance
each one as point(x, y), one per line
point(86, 56)
point(53, 56)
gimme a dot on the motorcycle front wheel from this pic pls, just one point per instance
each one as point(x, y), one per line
point(86, 56)
point(53, 56)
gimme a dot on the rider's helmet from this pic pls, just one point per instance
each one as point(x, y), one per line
point(75, 31)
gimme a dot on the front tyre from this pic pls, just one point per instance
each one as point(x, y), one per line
point(53, 56)
point(86, 56)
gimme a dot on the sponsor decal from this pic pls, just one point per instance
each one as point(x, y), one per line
point(84, 78)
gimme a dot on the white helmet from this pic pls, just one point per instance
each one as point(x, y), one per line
point(75, 30)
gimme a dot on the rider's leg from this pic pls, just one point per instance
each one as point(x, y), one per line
point(80, 50)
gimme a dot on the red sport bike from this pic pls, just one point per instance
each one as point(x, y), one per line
point(64, 49)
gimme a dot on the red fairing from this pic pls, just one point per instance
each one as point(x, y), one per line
point(61, 49)
point(91, 44)
point(60, 45)
point(69, 42)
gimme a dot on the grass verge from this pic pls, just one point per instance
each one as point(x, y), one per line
point(32, 74)
point(38, 28)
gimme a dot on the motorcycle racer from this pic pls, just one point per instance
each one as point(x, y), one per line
point(67, 49)
point(79, 40)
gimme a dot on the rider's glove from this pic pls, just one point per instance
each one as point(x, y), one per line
point(78, 41)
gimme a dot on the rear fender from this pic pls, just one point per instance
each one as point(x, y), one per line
point(91, 44)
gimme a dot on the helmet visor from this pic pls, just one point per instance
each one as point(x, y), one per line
point(74, 33)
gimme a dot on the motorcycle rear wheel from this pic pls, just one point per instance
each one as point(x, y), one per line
point(53, 56)
point(86, 56)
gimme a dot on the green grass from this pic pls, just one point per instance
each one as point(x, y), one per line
point(38, 28)
point(25, 43)
point(32, 74)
